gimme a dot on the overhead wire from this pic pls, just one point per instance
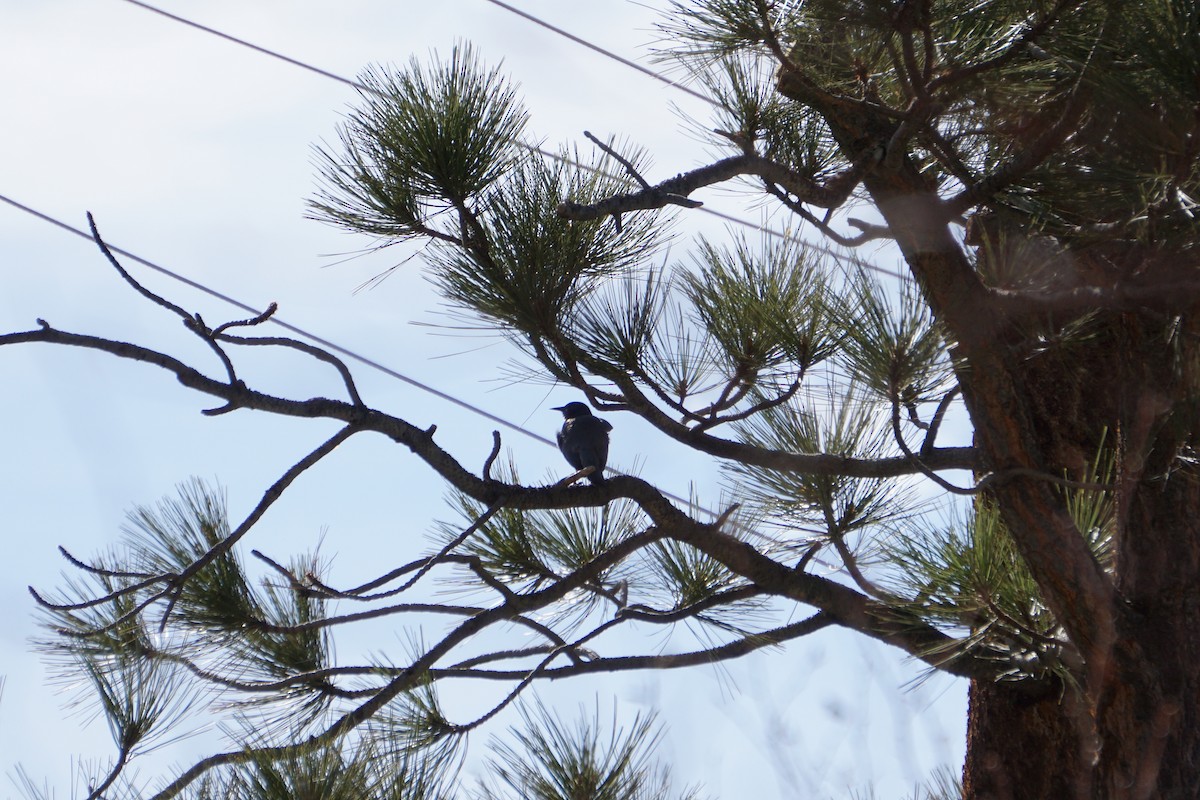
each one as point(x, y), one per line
point(337, 348)
point(829, 251)
point(605, 52)
point(681, 87)
point(361, 87)
point(326, 343)
point(334, 347)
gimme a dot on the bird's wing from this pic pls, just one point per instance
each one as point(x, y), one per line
point(568, 445)
point(594, 441)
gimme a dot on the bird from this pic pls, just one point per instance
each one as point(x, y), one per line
point(583, 439)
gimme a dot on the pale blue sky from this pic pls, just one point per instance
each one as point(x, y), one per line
point(196, 154)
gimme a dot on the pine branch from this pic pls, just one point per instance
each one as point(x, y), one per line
point(675, 191)
point(420, 441)
point(963, 74)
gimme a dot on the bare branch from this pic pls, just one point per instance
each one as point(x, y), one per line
point(142, 290)
point(174, 581)
point(810, 463)
point(823, 226)
point(420, 668)
point(846, 606)
point(98, 601)
point(491, 459)
point(905, 28)
point(671, 191)
point(123, 754)
point(107, 573)
point(870, 230)
point(503, 655)
point(756, 408)
point(898, 436)
point(856, 574)
point(920, 111)
point(304, 347)
point(736, 649)
point(839, 604)
point(1175, 297)
point(247, 323)
point(645, 614)
point(576, 477)
point(534, 673)
point(624, 162)
point(771, 36)
point(192, 322)
point(935, 423)
point(433, 561)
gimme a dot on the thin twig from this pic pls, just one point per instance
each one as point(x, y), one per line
point(675, 191)
point(995, 477)
point(304, 347)
point(192, 322)
point(491, 459)
point(860, 579)
point(916, 460)
point(139, 288)
point(433, 561)
point(247, 323)
point(624, 162)
point(744, 645)
point(532, 674)
point(757, 408)
point(113, 595)
point(644, 613)
point(799, 210)
point(273, 493)
point(935, 422)
point(106, 573)
point(122, 759)
point(175, 581)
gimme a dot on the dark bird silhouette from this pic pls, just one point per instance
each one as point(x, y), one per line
point(583, 439)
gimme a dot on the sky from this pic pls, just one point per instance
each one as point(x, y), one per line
point(197, 154)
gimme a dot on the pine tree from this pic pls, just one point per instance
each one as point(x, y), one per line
point(1035, 163)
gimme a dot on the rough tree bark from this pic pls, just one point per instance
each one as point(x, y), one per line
point(1131, 730)
point(1133, 733)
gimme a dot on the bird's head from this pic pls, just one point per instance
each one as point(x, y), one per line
point(573, 410)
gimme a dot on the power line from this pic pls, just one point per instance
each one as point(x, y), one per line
point(344, 351)
point(265, 51)
point(829, 251)
point(351, 354)
point(658, 76)
point(348, 353)
point(532, 148)
point(606, 53)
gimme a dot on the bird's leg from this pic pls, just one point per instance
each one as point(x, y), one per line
point(575, 478)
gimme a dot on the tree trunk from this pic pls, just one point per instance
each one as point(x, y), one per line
point(1145, 744)
point(1134, 732)
point(1044, 392)
point(1021, 747)
point(1158, 575)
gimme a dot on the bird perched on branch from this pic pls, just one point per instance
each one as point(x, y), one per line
point(583, 439)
